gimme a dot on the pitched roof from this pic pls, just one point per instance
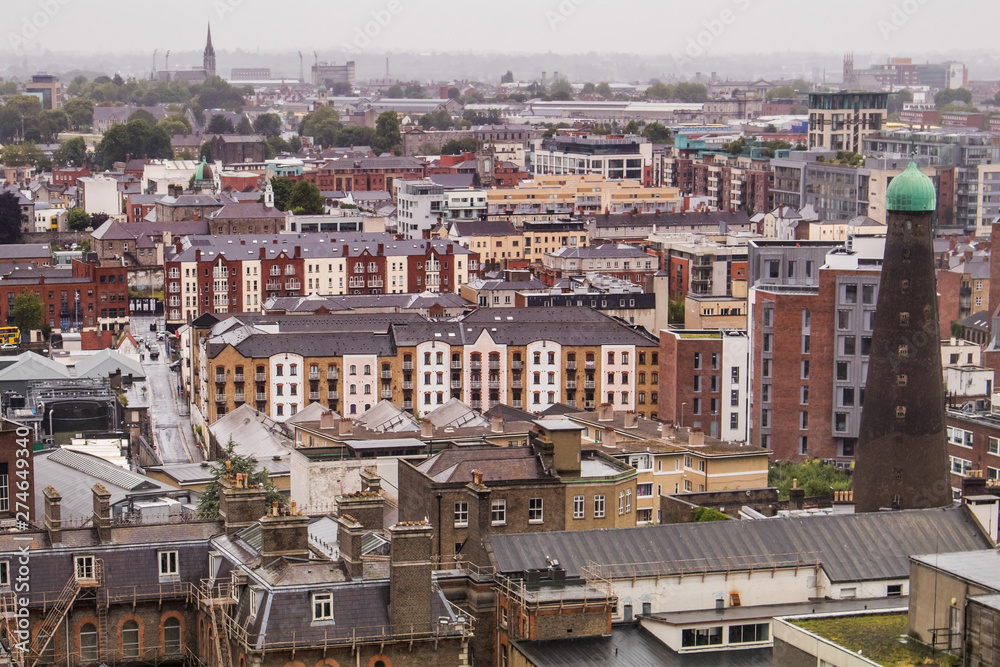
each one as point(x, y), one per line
point(247, 210)
point(483, 228)
point(105, 362)
point(889, 538)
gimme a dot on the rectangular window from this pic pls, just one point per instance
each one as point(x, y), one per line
point(322, 606)
point(994, 446)
point(168, 563)
point(461, 514)
point(84, 567)
point(805, 369)
point(498, 512)
point(4, 573)
point(701, 636)
point(577, 507)
point(960, 466)
point(599, 507)
point(752, 632)
point(961, 437)
point(535, 510)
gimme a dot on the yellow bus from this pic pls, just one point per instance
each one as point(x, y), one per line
point(10, 335)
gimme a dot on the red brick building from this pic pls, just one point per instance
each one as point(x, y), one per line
point(366, 174)
point(68, 175)
point(973, 444)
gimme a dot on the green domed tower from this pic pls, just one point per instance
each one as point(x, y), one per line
point(902, 452)
point(204, 178)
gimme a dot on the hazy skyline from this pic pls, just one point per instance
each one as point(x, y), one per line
point(521, 26)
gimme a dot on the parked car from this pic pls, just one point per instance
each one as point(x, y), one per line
point(8, 347)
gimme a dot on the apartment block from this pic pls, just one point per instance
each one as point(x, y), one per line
point(839, 121)
point(528, 358)
point(616, 158)
point(812, 307)
point(232, 274)
point(704, 381)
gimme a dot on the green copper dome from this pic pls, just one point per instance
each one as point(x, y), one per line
point(912, 190)
point(204, 172)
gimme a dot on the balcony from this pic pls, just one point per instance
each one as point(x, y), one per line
point(516, 404)
point(174, 288)
point(261, 397)
point(589, 384)
point(241, 398)
point(407, 365)
point(314, 375)
point(220, 398)
point(476, 365)
point(333, 394)
point(239, 378)
point(494, 364)
point(571, 384)
point(456, 365)
point(407, 405)
point(571, 402)
point(456, 384)
point(517, 384)
point(387, 394)
point(220, 379)
point(293, 285)
point(494, 384)
point(571, 365)
point(386, 375)
point(590, 365)
point(476, 405)
point(375, 282)
point(407, 385)
point(516, 365)
point(273, 285)
point(475, 384)
point(589, 405)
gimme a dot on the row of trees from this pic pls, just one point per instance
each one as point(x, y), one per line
point(324, 126)
point(213, 93)
point(300, 197)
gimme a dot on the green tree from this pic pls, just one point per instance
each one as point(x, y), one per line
point(632, 127)
point(507, 77)
point(414, 91)
point(604, 90)
point(707, 514)
point(957, 329)
point(675, 311)
point(660, 91)
point(781, 93)
point(177, 123)
point(208, 506)
point(588, 88)
point(12, 156)
point(387, 135)
point(72, 152)
point(996, 99)
point(244, 126)
point(356, 136)
point(770, 129)
point(205, 152)
point(691, 92)
point(813, 475)
point(215, 93)
point(277, 145)
point(10, 123)
point(395, 92)
point(340, 89)
point(439, 120)
point(26, 105)
point(10, 218)
point(949, 95)
point(78, 220)
point(51, 122)
point(459, 146)
point(305, 199)
point(80, 112)
point(135, 138)
point(561, 90)
point(268, 124)
point(142, 114)
point(454, 93)
point(898, 100)
point(27, 310)
point(657, 133)
point(323, 125)
point(220, 125)
point(282, 188)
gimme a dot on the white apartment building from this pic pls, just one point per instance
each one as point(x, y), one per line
point(419, 205)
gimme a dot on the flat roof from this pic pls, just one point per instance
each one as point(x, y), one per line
point(979, 567)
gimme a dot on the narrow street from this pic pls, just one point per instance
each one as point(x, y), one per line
point(169, 414)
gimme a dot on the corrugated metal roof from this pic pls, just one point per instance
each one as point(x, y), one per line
point(852, 547)
point(95, 467)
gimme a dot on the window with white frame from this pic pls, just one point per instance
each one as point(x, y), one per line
point(461, 514)
point(578, 507)
point(168, 563)
point(84, 567)
point(993, 446)
point(628, 501)
point(322, 606)
point(960, 466)
point(498, 512)
point(535, 510)
point(961, 437)
point(599, 507)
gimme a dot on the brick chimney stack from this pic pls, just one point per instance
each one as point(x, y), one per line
point(53, 514)
point(349, 534)
point(284, 536)
point(366, 507)
point(102, 512)
point(480, 511)
point(410, 584)
point(239, 506)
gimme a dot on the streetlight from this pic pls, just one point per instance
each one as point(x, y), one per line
point(682, 414)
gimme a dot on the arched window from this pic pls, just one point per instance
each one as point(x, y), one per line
point(130, 639)
point(294, 370)
point(354, 369)
point(368, 369)
point(440, 358)
point(172, 636)
point(88, 642)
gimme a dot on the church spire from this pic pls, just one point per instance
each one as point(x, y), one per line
point(209, 58)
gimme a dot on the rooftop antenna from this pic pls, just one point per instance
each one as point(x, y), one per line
point(302, 69)
point(166, 65)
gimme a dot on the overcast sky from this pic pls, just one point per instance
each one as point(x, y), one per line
point(651, 27)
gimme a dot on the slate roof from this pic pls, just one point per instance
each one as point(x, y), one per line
point(311, 246)
point(497, 464)
point(460, 181)
point(322, 344)
point(105, 362)
point(254, 433)
point(850, 547)
point(631, 644)
point(483, 228)
point(609, 250)
point(456, 414)
point(374, 163)
point(247, 210)
point(311, 303)
point(385, 416)
point(195, 473)
point(25, 251)
point(31, 366)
